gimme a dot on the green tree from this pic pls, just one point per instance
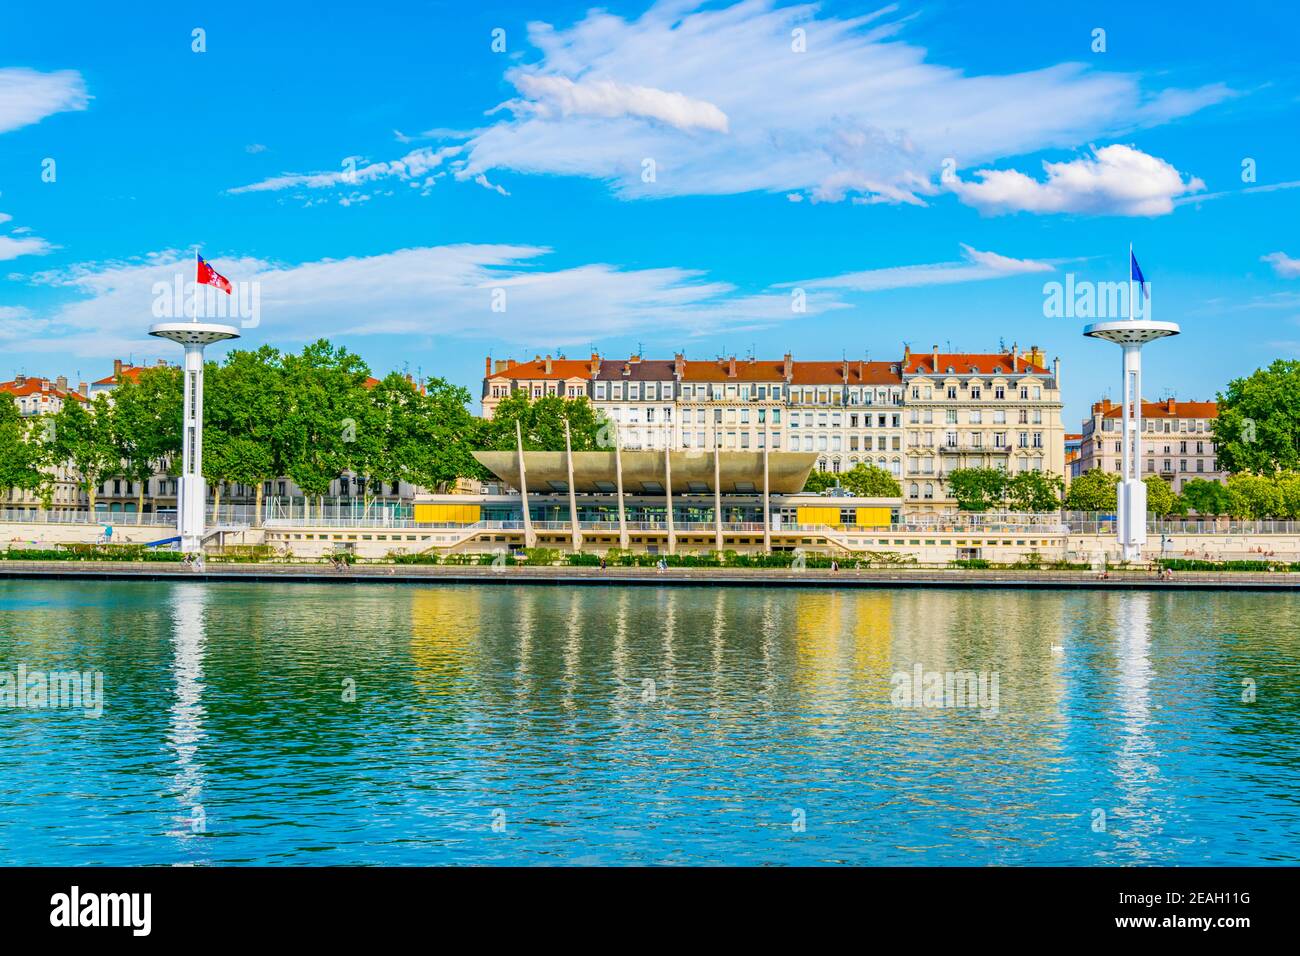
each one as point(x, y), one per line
point(20, 452)
point(1258, 426)
point(542, 424)
point(819, 481)
point(1094, 490)
point(421, 436)
point(869, 481)
point(1253, 497)
point(1034, 491)
point(147, 425)
point(324, 391)
point(978, 489)
point(1207, 497)
point(82, 437)
point(243, 418)
point(1161, 498)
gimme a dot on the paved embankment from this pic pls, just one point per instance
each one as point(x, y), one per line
point(710, 577)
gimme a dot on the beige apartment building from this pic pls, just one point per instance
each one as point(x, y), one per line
point(964, 410)
point(847, 412)
point(918, 419)
point(1177, 441)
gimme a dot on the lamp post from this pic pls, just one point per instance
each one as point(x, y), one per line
point(1131, 334)
point(194, 336)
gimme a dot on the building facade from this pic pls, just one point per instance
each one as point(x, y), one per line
point(970, 410)
point(847, 412)
point(1177, 441)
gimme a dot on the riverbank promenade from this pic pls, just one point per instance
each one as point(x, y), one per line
point(1114, 579)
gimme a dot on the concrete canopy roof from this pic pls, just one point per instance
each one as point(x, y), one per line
point(740, 472)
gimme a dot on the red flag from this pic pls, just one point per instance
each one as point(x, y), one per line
point(210, 276)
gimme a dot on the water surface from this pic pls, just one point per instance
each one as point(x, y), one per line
point(428, 724)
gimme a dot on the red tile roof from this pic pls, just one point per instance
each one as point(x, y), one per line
point(535, 369)
point(36, 386)
point(1167, 409)
point(858, 373)
point(968, 363)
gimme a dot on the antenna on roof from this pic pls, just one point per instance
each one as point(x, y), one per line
point(1002, 344)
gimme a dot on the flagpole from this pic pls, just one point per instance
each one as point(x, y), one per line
point(1130, 282)
point(196, 285)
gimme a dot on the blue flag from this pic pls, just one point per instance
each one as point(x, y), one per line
point(1135, 273)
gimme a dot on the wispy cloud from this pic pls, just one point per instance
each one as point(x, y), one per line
point(975, 266)
point(1114, 180)
point(843, 108)
point(28, 96)
point(468, 291)
point(1283, 265)
point(417, 165)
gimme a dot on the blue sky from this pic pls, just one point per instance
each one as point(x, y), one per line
point(794, 148)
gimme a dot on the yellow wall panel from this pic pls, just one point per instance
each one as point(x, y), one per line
point(873, 517)
point(811, 515)
point(447, 514)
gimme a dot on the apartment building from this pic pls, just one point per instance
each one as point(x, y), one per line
point(848, 412)
point(1177, 441)
point(967, 410)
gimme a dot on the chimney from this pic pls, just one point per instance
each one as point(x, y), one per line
point(1056, 371)
point(487, 367)
point(45, 385)
point(1172, 406)
point(844, 370)
point(1036, 356)
point(679, 366)
point(61, 383)
point(731, 367)
point(594, 366)
point(862, 371)
point(84, 390)
point(20, 379)
point(934, 349)
point(787, 369)
point(117, 367)
point(1015, 361)
point(907, 353)
point(548, 365)
point(510, 363)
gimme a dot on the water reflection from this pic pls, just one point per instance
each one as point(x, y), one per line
point(1136, 771)
point(532, 700)
point(189, 602)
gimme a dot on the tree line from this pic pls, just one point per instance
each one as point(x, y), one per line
point(311, 417)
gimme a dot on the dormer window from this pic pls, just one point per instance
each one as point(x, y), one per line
point(951, 370)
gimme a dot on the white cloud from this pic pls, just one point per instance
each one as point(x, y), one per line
point(1114, 180)
point(553, 96)
point(1283, 265)
point(415, 164)
point(433, 291)
point(861, 114)
point(254, 148)
point(12, 248)
point(28, 96)
point(977, 266)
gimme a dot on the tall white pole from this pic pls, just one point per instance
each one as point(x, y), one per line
point(1131, 335)
point(192, 494)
